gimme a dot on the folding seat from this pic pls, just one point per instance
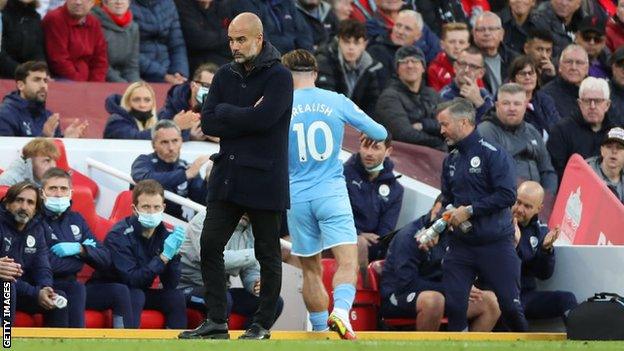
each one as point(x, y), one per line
point(77, 177)
point(122, 207)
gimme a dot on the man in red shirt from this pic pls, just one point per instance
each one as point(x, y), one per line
point(75, 46)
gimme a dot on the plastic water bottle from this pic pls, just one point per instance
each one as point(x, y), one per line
point(60, 301)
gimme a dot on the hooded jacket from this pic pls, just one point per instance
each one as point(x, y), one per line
point(565, 96)
point(22, 37)
point(536, 263)
point(120, 124)
point(123, 48)
point(254, 136)
point(21, 117)
point(324, 27)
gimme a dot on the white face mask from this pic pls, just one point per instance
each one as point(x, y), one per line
point(202, 92)
point(377, 168)
point(150, 220)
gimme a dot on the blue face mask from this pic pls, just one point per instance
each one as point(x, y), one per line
point(57, 205)
point(202, 92)
point(150, 220)
point(377, 168)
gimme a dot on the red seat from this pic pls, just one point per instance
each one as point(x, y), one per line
point(98, 319)
point(82, 202)
point(122, 207)
point(77, 177)
point(194, 318)
point(3, 191)
point(152, 319)
point(25, 320)
point(236, 322)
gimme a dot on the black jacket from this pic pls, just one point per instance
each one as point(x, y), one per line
point(565, 96)
point(331, 76)
point(617, 100)
point(516, 35)
point(507, 55)
point(436, 13)
point(398, 108)
point(251, 168)
point(205, 31)
point(323, 29)
point(22, 37)
point(383, 49)
point(572, 135)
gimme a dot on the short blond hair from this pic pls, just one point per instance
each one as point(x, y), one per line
point(125, 103)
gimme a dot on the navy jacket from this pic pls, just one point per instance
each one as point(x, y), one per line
point(542, 112)
point(376, 204)
point(409, 269)
point(284, 26)
point(162, 48)
point(23, 118)
point(177, 100)
point(565, 96)
point(483, 175)
point(136, 259)
point(536, 263)
point(70, 226)
point(251, 168)
point(172, 177)
point(120, 124)
point(451, 91)
point(27, 248)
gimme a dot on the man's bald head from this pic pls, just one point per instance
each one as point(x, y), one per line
point(245, 35)
point(529, 202)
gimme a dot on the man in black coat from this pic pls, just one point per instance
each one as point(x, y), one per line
point(249, 107)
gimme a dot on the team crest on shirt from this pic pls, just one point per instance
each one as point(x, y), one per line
point(384, 190)
point(475, 162)
point(534, 241)
point(76, 231)
point(30, 245)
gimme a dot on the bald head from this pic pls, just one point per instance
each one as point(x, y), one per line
point(529, 202)
point(245, 35)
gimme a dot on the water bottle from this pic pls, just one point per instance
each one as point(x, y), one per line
point(464, 226)
point(60, 301)
point(424, 236)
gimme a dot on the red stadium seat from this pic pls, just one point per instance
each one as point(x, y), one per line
point(3, 191)
point(97, 319)
point(152, 319)
point(122, 207)
point(77, 177)
point(236, 322)
point(194, 318)
point(25, 320)
point(82, 202)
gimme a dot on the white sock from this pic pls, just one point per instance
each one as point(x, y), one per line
point(342, 314)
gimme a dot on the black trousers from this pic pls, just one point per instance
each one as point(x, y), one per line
point(221, 220)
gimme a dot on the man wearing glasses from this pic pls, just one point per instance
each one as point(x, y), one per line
point(582, 133)
point(488, 36)
point(591, 36)
point(469, 67)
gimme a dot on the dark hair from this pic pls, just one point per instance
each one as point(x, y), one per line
point(518, 65)
point(388, 141)
point(473, 50)
point(17, 189)
point(149, 187)
point(205, 67)
point(55, 173)
point(300, 60)
point(351, 29)
point(22, 71)
point(540, 34)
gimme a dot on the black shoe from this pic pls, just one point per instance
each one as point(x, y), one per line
point(256, 332)
point(207, 330)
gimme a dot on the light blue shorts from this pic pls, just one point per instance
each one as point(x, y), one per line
point(321, 224)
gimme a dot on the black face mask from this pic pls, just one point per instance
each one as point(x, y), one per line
point(142, 116)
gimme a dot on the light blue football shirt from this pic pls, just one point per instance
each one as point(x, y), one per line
point(315, 139)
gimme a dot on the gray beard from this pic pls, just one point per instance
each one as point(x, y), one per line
point(21, 218)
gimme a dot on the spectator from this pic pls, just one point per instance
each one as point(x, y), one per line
point(204, 26)
point(23, 111)
point(468, 70)
point(134, 114)
point(411, 281)
point(142, 249)
point(610, 164)
point(534, 245)
point(122, 38)
point(407, 106)
point(320, 19)
point(582, 133)
point(438, 13)
point(284, 26)
point(239, 260)
point(591, 36)
point(165, 166)
point(518, 19)
point(72, 245)
point(162, 55)
point(561, 18)
point(408, 30)
point(38, 156)
point(375, 197)
point(455, 38)
point(615, 28)
point(46, 6)
point(75, 45)
point(186, 99)
point(541, 111)
point(506, 127)
point(22, 36)
point(564, 89)
point(342, 9)
point(488, 36)
point(617, 83)
point(346, 68)
point(384, 15)
point(539, 46)
point(27, 257)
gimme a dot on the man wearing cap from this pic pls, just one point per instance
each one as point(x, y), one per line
point(407, 106)
point(591, 36)
point(610, 163)
point(616, 84)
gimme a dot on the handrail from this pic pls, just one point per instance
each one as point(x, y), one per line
point(91, 163)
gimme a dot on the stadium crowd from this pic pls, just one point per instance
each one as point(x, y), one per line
point(545, 80)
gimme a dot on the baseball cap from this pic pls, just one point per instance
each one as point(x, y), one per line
point(615, 134)
point(409, 51)
point(592, 24)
